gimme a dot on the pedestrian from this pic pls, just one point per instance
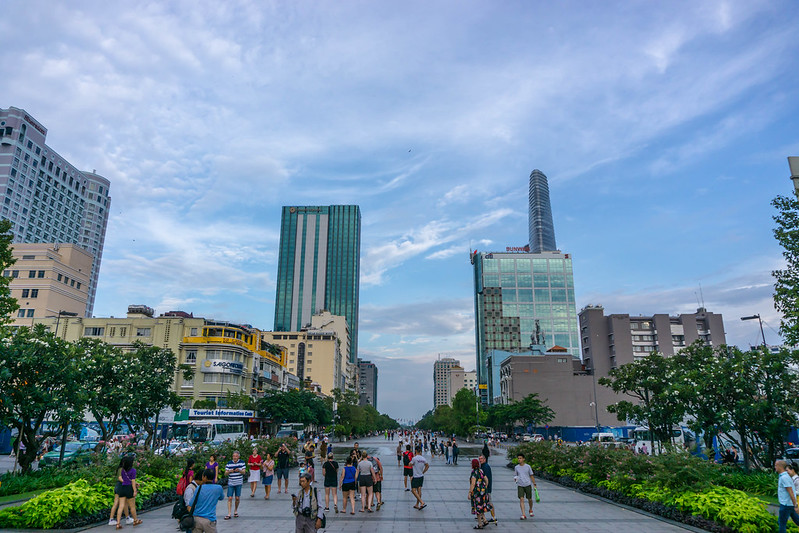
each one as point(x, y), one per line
point(478, 487)
point(486, 468)
point(112, 521)
point(399, 454)
point(347, 483)
point(204, 510)
point(455, 452)
point(330, 471)
point(188, 498)
point(419, 466)
point(126, 475)
point(407, 469)
point(306, 507)
point(377, 488)
point(234, 471)
point(267, 474)
point(186, 477)
point(524, 484)
point(448, 453)
point(786, 496)
point(365, 479)
point(254, 463)
point(213, 465)
point(283, 457)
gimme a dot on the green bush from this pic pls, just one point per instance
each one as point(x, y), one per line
point(50, 508)
point(684, 482)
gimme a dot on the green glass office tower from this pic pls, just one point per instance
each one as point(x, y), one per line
point(513, 292)
point(319, 267)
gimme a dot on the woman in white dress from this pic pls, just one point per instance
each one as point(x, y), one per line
point(254, 462)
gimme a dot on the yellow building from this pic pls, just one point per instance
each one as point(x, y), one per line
point(312, 355)
point(48, 279)
point(225, 357)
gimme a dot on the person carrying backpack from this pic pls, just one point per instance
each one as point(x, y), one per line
point(186, 478)
point(309, 514)
point(407, 468)
point(377, 488)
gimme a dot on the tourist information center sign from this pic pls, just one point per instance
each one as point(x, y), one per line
point(221, 413)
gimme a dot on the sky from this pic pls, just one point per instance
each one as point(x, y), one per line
point(663, 127)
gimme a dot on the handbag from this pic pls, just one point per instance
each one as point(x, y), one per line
point(187, 522)
point(537, 497)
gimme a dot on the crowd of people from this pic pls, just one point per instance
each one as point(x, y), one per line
point(359, 481)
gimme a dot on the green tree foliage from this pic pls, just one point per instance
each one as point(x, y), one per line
point(151, 373)
point(41, 371)
point(204, 404)
point(8, 304)
point(354, 419)
point(650, 382)
point(530, 410)
point(240, 400)
point(106, 382)
point(464, 411)
point(786, 287)
point(294, 406)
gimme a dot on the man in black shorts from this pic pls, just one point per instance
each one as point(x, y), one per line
point(377, 489)
point(330, 469)
point(407, 470)
point(419, 466)
point(282, 469)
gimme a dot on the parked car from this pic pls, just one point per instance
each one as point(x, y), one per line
point(175, 448)
point(75, 452)
point(283, 433)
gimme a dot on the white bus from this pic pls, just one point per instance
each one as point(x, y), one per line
point(215, 430)
point(644, 437)
point(292, 429)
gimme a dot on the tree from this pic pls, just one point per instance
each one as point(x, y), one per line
point(152, 371)
point(39, 369)
point(786, 288)
point(240, 400)
point(650, 382)
point(464, 411)
point(107, 384)
point(8, 304)
point(204, 404)
point(531, 410)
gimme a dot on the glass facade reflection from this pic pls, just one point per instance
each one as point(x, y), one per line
point(319, 267)
point(541, 227)
point(513, 291)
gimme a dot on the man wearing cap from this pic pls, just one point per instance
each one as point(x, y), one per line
point(330, 470)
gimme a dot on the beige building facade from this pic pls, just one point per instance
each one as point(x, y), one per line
point(461, 379)
point(49, 279)
point(313, 355)
point(226, 358)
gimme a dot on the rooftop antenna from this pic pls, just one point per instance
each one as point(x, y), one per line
point(701, 295)
point(697, 299)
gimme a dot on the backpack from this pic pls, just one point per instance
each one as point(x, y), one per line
point(406, 459)
point(179, 510)
point(182, 484)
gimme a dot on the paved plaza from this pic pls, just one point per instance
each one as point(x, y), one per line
point(445, 492)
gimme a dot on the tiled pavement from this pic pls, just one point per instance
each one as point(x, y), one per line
point(445, 493)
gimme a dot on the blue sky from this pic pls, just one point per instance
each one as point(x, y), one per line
point(663, 129)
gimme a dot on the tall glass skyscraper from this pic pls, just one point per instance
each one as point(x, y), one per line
point(524, 296)
point(319, 267)
point(541, 227)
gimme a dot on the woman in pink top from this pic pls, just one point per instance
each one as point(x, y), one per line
point(267, 474)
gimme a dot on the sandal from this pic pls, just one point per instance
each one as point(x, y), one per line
point(136, 522)
point(227, 517)
point(235, 515)
point(336, 508)
point(119, 526)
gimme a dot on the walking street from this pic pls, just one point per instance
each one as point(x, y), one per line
point(445, 492)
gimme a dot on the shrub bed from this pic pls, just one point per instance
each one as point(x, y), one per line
point(676, 486)
point(76, 502)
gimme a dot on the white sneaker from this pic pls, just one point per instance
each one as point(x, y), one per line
point(129, 520)
point(112, 522)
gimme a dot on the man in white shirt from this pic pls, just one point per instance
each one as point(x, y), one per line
point(524, 484)
point(419, 465)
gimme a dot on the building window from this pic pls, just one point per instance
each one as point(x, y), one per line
point(142, 332)
point(193, 332)
point(191, 356)
point(93, 332)
point(31, 273)
point(112, 332)
point(30, 313)
point(21, 313)
point(60, 277)
point(40, 274)
point(25, 293)
point(77, 285)
point(123, 332)
point(34, 293)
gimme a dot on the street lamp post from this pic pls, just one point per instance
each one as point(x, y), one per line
point(757, 317)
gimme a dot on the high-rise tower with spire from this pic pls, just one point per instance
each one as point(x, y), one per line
point(542, 229)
